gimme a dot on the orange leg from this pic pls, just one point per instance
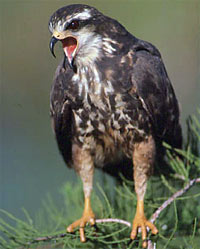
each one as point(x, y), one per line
point(87, 217)
point(83, 164)
point(141, 221)
point(143, 160)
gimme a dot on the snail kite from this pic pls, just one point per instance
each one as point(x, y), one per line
point(111, 102)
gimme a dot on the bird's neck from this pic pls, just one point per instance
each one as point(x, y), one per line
point(88, 78)
point(89, 52)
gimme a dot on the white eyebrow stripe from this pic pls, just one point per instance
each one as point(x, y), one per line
point(83, 15)
point(51, 27)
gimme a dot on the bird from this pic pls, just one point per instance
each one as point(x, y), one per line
point(112, 105)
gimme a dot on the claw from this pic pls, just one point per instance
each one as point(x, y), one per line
point(82, 234)
point(88, 217)
point(143, 223)
point(140, 221)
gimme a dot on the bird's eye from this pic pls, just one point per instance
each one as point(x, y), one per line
point(73, 25)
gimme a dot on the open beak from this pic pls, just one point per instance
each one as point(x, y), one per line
point(70, 45)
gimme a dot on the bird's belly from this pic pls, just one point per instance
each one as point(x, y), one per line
point(108, 135)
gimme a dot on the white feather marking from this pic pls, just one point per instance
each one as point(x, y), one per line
point(109, 87)
point(97, 83)
point(77, 119)
point(101, 127)
point(81, 16)
point(106, 39)
point(59, 26)
point(108, 47)
point(75, 77)
point(84, 15)
point(51, 27)
point(89, 47)
point(89, 128)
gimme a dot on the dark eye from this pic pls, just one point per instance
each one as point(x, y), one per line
point(73, 25)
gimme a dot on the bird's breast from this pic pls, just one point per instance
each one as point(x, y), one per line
point(105, 127)
point(107, 120)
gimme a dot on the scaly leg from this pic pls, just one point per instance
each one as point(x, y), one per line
point(84, 166)
point(143, 160)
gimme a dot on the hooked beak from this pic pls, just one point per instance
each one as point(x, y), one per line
point(69, 43)
point(52, 44)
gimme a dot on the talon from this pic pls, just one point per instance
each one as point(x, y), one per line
point(152, 227)
point(82, 235)
point(88, 217)
point(144, 232)
point(154, 231)
point(69, 229)
point(143, 223)
point(144, 244)
point(92, 221)
point(134, 232)
point(140, 221)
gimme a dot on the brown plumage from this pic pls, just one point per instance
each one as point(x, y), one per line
point(112, 103)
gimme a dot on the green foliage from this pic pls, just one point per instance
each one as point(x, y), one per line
point(178, 224)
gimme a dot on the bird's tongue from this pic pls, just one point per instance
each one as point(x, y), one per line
point(69, 46)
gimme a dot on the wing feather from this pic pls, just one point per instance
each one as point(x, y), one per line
point(150, 79)
point(61, 115)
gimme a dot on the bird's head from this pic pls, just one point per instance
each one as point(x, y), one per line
point(75, 26)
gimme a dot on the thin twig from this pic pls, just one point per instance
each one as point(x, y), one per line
point(151, 245)
point(167, 203)
point(172, 198)
point(62, 235)
point(47, 238)
point(126, 223)
point(180, 177)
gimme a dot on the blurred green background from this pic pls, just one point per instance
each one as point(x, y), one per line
point(30, 165)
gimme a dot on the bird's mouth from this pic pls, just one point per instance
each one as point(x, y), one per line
point(70, 46)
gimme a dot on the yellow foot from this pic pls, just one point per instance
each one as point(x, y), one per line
point(140, 221)
point(88, 217)
point(143, 223)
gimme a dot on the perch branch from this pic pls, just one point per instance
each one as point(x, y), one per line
point(62, 235)
point(172, 198)
point(126, 223)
